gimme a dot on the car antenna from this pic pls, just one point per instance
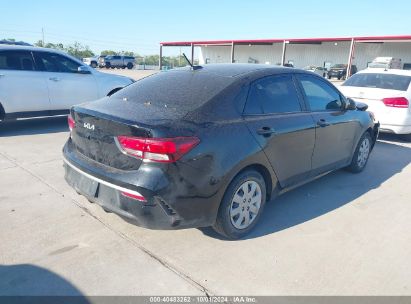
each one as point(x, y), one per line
point(194, 67)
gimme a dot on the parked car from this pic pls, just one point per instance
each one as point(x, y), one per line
point(114, 61)
point(209, 146)
point(42, 82)
point(387, 94)
point(386, 63)
point(101, 62)
point(339, 71)
point(91, 61)
point(317, 70)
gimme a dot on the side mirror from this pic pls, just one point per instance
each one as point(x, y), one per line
point(83, 70)
point(361, 106)
point(350, 105)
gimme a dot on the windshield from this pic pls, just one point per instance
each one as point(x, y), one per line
point(380, 81)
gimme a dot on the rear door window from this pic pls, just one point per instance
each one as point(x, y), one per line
point(320, 95)
point(16, 60)
point(379, 81)
point(273, 94)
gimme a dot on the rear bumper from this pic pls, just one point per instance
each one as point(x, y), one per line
point(335, 74)
point(396, 129)
point(110, 198)
point(168, 205)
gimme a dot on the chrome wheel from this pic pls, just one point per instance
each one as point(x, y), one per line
point(363, 152)
point(245, 204)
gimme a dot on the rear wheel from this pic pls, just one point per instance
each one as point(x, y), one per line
point(129, 65)
point(361, 154)
point(108, 65)
point(242, 205)
point(93, 65)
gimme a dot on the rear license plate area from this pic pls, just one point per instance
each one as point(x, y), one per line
point(83, 184)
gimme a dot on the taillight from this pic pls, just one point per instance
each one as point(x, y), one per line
point(71, 122)
point(165, 150)
point(396, 102)
point(137, 197)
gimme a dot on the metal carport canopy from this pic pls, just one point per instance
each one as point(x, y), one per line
point(232, 43)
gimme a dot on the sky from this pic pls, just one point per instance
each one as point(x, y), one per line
point(140, 26)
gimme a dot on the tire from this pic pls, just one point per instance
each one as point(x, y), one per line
point(2, 113)
point(361, 154)
point(406, 137)
point(123, 67)
point(231, 221)
point(93, 65)
point(129, 65)
point(338, 78)
point(329, 77)
point(108, 65)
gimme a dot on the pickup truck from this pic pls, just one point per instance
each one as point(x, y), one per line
point(116, 61)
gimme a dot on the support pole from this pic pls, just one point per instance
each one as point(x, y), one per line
point(232, 52)
point(350, 57)
point(160, 60)
point(192, 54)
point(284, 50)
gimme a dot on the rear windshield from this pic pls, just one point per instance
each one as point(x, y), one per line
point(380, 81)
point(184, 90)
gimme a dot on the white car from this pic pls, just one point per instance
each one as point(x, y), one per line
point(317, 70)
point(36, 82)
point(91, 61)
point(387, 94)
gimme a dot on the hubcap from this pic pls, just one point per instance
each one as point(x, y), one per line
point(363, 152)
point(245, 204)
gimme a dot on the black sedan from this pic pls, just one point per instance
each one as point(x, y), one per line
point(209, 146)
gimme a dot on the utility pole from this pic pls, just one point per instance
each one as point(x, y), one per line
point(42, 31)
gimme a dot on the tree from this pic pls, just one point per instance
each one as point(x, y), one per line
point(108, 52)
point(78, 50)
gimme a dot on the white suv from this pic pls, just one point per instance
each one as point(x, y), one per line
point(387, 92)
point(38, 82)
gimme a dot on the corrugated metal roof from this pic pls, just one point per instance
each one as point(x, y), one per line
point(399, 38)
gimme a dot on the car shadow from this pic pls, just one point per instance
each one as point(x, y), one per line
point(330, 192)
point(34, 126)
point(25, 281)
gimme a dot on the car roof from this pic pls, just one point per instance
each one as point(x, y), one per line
point(385, 71)
point(29, 48)
point(4, 47)
point(237, 69)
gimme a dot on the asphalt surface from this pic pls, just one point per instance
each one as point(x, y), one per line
point(343, 234)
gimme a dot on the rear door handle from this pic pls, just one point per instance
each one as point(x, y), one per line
point(54, 78)
point(266, 131)
point(323, 123)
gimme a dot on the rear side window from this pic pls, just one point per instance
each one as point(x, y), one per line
point(16, 60)
point(273, 94)
point(380, 81)
point(320, 95)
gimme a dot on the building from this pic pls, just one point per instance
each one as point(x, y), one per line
point(300, 52)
